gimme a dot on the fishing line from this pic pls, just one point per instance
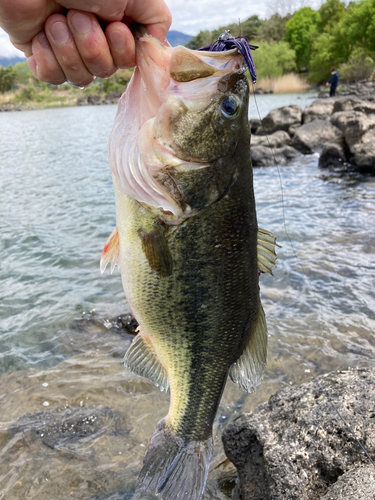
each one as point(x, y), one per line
point(308, 282)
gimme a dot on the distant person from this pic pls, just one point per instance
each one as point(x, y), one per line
point(333, 81)
point(71, 45)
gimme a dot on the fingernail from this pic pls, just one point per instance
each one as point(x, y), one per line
point(81, 23)
point(43, 40)
point(117, 40)
point(60, 32)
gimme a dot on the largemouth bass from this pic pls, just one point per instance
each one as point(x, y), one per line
point(188, 246)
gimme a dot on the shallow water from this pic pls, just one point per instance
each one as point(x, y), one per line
point(73, 422)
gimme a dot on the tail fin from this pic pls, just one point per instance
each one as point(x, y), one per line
point(173, 468)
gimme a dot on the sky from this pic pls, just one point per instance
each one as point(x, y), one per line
point(189, 16)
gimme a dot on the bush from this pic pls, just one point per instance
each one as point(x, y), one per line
point(7, 79)
point(360, 66)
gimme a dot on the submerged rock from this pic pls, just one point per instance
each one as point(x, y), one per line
point(59, 428)
point(296, 446)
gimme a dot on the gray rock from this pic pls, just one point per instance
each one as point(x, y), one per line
point(353, 125)
point(365, 106)
point(333, 155)
point(357, 484)
point(254, 125)
point(295, 446)
point(319, 109)
point(311, 137)
point(263, 156)
point(347, 103)
point(275, 140)
point(282, 118)
point(364, 152)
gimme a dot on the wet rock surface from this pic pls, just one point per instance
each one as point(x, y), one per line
point(340, 129)
point(297, 447)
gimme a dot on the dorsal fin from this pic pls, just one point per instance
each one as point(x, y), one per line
point(247, 372)
point(142, 360)
point(266, 251)
point(111, 252)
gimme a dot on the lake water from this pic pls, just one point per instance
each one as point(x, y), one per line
point(73, 422)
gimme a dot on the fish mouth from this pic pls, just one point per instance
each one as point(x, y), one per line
point(190, 75)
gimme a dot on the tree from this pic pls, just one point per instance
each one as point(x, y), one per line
point(274, 59)
point(299, 32)
point(357, 28)
point(331, 12)
point(273, 28)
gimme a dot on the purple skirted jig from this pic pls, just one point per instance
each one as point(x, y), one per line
point(226, 42)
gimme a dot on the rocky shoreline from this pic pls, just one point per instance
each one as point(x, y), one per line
point(296, 446)
point(340, 129)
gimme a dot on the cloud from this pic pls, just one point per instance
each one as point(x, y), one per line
point(191, 16)
point(6, 48)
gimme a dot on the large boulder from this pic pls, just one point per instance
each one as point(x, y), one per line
point(263, 156)
point(312, 136)
point(357, 484)
point(281, 119)
point(353, 124)
point(319, 109)
point(296, 446)
point(275, 140)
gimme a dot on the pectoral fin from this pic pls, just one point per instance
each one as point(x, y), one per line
point(155, 247)
point(247, 372)
point(111, 252)
point(142, 360)
point(266, 251)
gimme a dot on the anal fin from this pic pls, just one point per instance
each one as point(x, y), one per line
point(266, 251)
point(247, 372)
point(142, 360)
point(111, 252)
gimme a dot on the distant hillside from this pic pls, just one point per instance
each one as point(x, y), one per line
point(6, 61)
point(178, 38)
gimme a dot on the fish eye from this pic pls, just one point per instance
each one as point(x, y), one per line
point(230, 107)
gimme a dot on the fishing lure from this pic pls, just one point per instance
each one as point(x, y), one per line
point(227, 42)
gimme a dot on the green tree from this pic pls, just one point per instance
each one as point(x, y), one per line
point(7, 78)
point(274, 59)
point(299, 32)
point(322, 58)
point(357, 28)
point(273, 28)
point(331, 12)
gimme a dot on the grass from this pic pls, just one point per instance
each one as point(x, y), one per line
point(283, 84)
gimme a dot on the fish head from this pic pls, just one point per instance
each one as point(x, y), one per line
point(178, 127)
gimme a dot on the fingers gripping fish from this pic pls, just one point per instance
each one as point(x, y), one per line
point(188, 246)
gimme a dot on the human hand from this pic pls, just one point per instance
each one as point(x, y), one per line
point(70, 45)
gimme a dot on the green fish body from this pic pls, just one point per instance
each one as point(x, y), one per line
point(190, 252)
